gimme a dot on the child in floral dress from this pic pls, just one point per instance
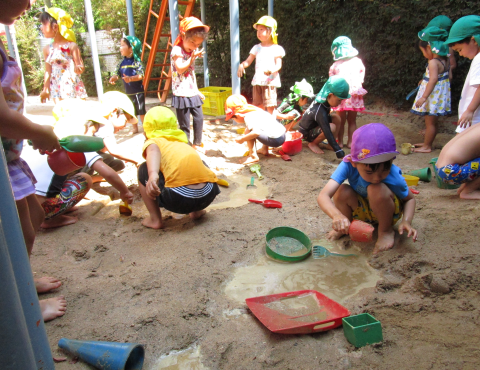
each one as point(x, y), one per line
point(63, 63)
point(351, 68)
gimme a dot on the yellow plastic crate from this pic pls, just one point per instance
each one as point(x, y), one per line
point(215, 97)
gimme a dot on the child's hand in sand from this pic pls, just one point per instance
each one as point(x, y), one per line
point(127, 197)
point(152, 188)
point(341, 223)
point(406, 226)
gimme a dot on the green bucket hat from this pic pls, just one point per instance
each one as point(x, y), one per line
point(441, 21)
point(136, 45)
point(342, 48)
point(303, 88)
point(465, 27)
point(436, 39)
point(336, 85)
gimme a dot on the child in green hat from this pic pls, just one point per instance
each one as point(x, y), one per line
point(317, 124)
point(350, 67)
point(291, 108)
point(445, 23)
point(433, 96)
point(464, 38)
point(130, 70)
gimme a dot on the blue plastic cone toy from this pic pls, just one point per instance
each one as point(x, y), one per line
point(106, 355)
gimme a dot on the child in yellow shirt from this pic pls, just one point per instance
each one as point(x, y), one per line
point(174, 176)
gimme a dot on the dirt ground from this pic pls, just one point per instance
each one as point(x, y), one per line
point(166, 288)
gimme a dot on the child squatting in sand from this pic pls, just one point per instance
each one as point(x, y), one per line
point(377, 192)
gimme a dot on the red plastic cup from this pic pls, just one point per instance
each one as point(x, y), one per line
point(293, 143)
point(360, 231)
point(62, 162)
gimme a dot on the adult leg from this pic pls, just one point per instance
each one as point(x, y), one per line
point(382, 203)
point(430, 133)
point(352, 126)
point(345, 199)
point(341, 127)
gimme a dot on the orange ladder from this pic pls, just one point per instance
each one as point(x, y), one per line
point(160, 47)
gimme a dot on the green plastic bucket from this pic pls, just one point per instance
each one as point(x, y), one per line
point(288, 244)
point(439, 181)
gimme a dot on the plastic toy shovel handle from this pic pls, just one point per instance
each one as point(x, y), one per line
point(410, 94)
point(258, 201)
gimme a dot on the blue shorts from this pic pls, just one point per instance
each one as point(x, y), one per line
point(272, 142)
point(459, 173)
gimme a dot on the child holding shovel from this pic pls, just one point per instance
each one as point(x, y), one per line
point(377, 193)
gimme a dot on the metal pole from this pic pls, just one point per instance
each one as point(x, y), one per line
point(93, 42)
point(37, 342)
point(206, 77)
point(235, 44)
point(131, 23)
point(11, 32)
point(174, 20)
point(11, 51)
point(270, 8)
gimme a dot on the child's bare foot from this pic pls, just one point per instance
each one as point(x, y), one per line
point(334, 235)
point(263, 151)
point(349, 145)
point(422, 149)
point(385, 241)
point(152, 224)
point(53, 307)
point(466, 193)
point(46, 283)
point(250, 159)
point(460, 189)
point(314, 148)
point(197, 215)
point(340, 145)
point(58, 221)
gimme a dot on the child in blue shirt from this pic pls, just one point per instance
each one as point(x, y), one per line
point(130, 70)
point(377, 192)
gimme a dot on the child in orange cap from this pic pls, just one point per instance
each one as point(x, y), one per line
point(268, 63)
point(260, 126)
point(187, 99)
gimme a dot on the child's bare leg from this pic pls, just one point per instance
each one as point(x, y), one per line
point(253, 156)
point(270, 109)
point(341, 128)
point(53, 307)
point(352, 126)
point(382, 202)
point(470, 190)
point(313, 146)
point(430, 133)
point(345, 199)
point(135, 128)
point(196, 215)
point(154, 220)
point(26, 222)
point(46, 283)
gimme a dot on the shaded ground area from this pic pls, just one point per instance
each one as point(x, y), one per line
point(166, 289)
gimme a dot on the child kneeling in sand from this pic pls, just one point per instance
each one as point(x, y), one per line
point(174, 176)
point(377, 192)
point(459, 163)
point(260, 125)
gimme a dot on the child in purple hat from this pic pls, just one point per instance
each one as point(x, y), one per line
point(377, 193)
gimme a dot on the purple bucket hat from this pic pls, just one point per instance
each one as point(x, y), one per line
point(373, 143)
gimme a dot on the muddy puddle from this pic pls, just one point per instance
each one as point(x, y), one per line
point(337, 277)
point(188, 359)
point(239, 196)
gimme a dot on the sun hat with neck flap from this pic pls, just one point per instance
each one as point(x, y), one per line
point(64, 21)
point(468, 26)
point(270, 22)
point(336, 85)
point(436, 39)
point(441, 21)
point(342, 48)
point(187, 24)
point(160, 122)
point(136, 46)
point(373, 143)
point(238, 104)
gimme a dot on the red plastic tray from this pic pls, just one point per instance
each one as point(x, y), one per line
point(300, 312)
